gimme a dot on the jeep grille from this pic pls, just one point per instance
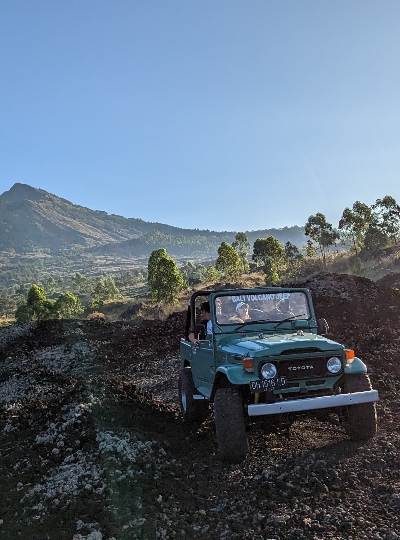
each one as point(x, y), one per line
point(301, 368)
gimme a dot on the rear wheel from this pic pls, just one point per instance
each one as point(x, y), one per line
point(193, 410)
point(233, 444)
point(360, 420)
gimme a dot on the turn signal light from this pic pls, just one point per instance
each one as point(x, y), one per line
point(349, 355)
point(248, 364)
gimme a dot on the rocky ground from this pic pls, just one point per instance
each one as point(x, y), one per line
point(92, 445)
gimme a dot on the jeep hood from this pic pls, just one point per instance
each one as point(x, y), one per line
point(275, 344)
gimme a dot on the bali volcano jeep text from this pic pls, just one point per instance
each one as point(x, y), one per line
point(267, 358)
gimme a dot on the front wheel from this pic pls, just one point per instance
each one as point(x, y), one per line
point(360, 420)
point(193, 410)
point(233, 444)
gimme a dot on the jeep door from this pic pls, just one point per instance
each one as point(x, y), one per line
point(203, 364)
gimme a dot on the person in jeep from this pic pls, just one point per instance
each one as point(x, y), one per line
point(274, 309)
point(205, 319)
point(242, 313)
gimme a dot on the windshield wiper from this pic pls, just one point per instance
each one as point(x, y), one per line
point(289, 319)
point(251, 322)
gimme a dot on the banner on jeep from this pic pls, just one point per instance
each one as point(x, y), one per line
point(261, 307)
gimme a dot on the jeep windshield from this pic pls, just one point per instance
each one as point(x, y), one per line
point(243, 308)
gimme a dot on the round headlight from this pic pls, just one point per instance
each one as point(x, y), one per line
point(334, 364)
point(268, 371)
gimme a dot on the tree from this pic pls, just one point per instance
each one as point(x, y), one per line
point(294, 258)
point(60, 284)
point(212, 274)
point(38, 305)
point(272, 277)
point(152, 265)
point(82, 284)
point(242, 246)
point(68, 306)
point(49, 285)
point(7, 305)
point(375, 239)
point(167, 281)
point(354, 224)
point(21, 292)
point(94, 304)
point(23, 313)
point(105, 288)
point(193, 272)
point(188, 271)
point(388, 216)
point(291, 251)
point(310, 249)
point(319, 230)
point(267, 249)
point(228, 262)
point(268, 253)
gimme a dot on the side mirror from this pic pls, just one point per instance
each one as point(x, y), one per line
point(322, 327)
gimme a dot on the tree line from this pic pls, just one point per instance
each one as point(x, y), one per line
point(362, 229)
point(57, 293)
point(166, 281)
point(36, 303)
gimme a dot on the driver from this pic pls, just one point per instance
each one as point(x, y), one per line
point(205, 319)
point(272, 309)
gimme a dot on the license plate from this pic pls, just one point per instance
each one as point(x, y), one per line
point(263, 385)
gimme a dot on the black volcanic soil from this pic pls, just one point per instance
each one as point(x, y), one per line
point(92, 446)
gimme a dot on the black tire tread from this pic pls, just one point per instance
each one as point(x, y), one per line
point(233, 444)
point(361, 420)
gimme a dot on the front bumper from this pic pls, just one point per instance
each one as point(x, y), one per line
point(309, 404)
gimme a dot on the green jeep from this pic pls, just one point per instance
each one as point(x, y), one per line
point(267, 359)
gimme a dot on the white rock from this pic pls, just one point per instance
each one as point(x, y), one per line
point(95, 535)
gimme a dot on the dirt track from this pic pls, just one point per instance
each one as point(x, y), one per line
point(92, 445)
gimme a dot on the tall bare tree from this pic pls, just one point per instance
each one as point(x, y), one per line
point(322, 232)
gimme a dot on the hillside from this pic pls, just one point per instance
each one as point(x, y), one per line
point(199, 245)
point(32, 219)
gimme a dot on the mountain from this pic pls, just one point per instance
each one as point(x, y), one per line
point(32, 218)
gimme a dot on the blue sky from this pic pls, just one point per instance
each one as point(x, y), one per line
point(226, 115)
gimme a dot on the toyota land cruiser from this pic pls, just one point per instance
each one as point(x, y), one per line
point(268, 358)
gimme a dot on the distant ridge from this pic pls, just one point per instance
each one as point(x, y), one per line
point(32, 218)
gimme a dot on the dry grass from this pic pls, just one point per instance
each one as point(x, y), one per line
point(386, 262)
point(96, 315)
point(6, 322)
point(113, 308)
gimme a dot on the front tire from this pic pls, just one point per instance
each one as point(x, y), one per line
point(193, 410)
point(233, 444)
point(360, 420)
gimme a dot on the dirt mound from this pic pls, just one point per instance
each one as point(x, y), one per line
point(363, 315)
point(357, 298)
point(391, 280)
point(92, 446)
